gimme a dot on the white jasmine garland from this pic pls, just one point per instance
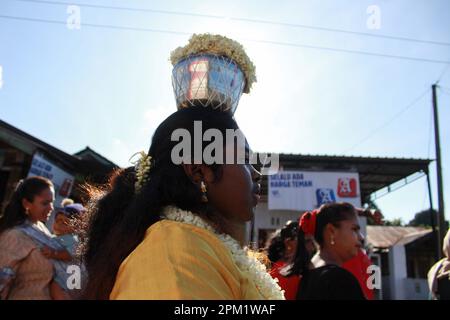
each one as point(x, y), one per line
point(142, 167)
point(248, 264)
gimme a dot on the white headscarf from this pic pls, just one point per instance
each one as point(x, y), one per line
point(441, 269)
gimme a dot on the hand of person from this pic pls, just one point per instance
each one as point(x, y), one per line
point(57, 293)
point(5, 285)
point(47, 252)
point(7, 277)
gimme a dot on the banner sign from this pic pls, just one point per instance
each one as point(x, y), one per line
point(62, 180)
point(308, 190)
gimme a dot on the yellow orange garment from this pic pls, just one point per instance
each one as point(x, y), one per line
point(181, 261)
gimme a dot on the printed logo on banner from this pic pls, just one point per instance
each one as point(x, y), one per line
point(325, 196)
point(276, 193)
point(346, 188)
point(65, 188)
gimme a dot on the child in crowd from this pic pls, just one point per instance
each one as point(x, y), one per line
point(64, 231)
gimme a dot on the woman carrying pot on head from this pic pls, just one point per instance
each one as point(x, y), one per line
point(173, 226)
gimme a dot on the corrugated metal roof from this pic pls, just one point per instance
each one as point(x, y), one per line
point(386, 237)
point(346, 157)
point(77, 162)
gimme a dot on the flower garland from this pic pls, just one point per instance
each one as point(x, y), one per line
point(248, 264)
point(142, 167)
point(219, 45)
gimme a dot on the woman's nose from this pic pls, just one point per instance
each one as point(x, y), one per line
point(361, 238)
point(256, 175)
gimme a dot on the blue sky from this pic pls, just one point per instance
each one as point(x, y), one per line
point(110, 88)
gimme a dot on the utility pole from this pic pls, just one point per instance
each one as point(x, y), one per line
point(433, 220)
point(441, 219)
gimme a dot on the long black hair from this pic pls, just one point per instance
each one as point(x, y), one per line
point(14, 213)
point(117, 214)
point(332, 213)
point(276, 248)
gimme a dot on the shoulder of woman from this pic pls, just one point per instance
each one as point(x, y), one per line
point(173, 232)
point(13, 235)
point(335, 272)
point(180, 239)
point(15, 241)
point(43, 228)
point(177, 258)
point(435, 268)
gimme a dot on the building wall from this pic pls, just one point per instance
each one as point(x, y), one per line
point(266, 219)
point(397, 272)
point(416, 289)
point(14, 166)
point(401, 287)
point(386, 287)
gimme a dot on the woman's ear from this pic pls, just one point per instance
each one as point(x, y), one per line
point(330, 232)
point(198, 173)
point(26, 204)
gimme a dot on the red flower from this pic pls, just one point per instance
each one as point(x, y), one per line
point(308, 222)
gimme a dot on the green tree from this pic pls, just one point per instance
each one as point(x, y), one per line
point(423, 219)
point(398, 222)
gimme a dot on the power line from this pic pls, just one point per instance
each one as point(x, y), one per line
point(410, 105)
point(258, 21)
point(96, 6)
point(430, 133)
point(105, 26)
point(366, 34)
point(349, 51)
point(442, 73)
point(425, 196)
point(287, 44)
point(444, 89)
point(430, 127)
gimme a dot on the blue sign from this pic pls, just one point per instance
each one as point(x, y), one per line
point(325, 196)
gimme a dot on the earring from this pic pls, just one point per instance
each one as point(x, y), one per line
point(27, 211)
point(203, 190)
point(332, 241)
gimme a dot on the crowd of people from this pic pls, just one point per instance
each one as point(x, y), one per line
point(164, 229)
point(329, 261)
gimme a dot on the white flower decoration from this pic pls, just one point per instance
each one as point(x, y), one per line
point(142, 167)
point(256, 271)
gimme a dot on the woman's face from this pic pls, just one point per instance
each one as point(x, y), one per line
point(237, 191)
point(42, 205)
point(62, 225)
point(290, 248)
point(310, 245)
point(347, 239)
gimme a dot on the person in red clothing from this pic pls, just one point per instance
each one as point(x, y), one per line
point(336, 230)
point(358, 267)
point(281, 251)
